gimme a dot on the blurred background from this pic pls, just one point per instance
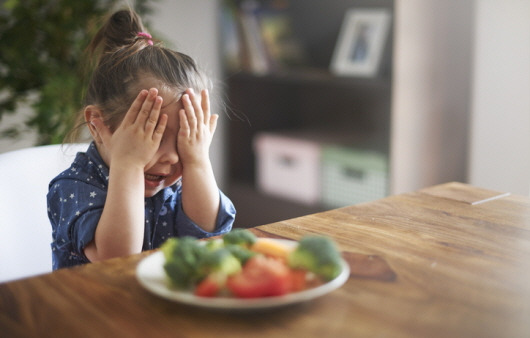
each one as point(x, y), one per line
point(448, 99)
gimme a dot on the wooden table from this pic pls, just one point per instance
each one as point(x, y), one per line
point(458, 265)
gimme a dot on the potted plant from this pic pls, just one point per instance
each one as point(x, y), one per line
point(42, 62)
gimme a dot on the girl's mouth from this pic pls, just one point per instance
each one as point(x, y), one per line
point(155, 178)
point(156, 181)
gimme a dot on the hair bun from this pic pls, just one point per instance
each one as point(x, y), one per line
point(120, 30)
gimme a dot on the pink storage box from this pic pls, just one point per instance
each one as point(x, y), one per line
point(288, 167)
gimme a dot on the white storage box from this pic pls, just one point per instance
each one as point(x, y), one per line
point(352, 176)
point(288, 167)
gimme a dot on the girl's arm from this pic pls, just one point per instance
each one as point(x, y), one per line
point(120, 230)
point(200, 194)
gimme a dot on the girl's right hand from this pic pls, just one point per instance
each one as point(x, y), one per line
point(127, 150)
point(137, 138)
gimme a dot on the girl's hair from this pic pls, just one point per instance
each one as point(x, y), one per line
point(124, 59)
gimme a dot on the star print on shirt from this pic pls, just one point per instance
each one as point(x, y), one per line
point(93, 194)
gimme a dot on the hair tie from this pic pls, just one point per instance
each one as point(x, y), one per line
point(146, 36)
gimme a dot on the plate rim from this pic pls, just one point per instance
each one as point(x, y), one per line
point(157, 284)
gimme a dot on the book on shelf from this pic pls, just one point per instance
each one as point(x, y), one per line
point(258, 37)
point(257, 53)
point(231, 45)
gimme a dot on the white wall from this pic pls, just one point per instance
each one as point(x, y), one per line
point(431, 92)
point(500, 133)
point(461, 101)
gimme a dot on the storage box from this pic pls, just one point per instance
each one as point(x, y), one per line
point(288, 167)
point(352, 176)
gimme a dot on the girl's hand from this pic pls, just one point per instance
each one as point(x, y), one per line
point(120, 229)
point(197, 127)
point(200, 194)
point(136, 140)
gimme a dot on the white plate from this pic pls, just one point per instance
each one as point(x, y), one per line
point(151, 275)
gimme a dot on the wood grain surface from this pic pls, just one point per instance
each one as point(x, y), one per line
point(429, 263)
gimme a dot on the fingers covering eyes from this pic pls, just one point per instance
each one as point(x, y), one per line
point(153, 114)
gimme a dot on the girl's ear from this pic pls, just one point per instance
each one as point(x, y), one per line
point(93, 113)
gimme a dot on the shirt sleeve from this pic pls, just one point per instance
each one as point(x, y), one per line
point(225, 220)
point(75, 208)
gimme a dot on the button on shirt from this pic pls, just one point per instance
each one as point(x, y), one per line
point(75, 202)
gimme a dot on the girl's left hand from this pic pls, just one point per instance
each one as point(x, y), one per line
point(197, 127)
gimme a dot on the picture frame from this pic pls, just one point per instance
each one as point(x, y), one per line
point(361, 42)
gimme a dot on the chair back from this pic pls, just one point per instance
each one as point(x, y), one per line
point(25, 231)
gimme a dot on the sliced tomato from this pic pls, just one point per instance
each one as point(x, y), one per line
point(209, 286)
point(261, 277)
point(298, 280)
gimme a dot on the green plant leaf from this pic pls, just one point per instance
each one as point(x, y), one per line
point(42, 59)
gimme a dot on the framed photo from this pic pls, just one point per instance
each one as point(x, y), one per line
point(361, 42)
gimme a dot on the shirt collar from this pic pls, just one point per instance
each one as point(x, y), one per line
point(93, 155)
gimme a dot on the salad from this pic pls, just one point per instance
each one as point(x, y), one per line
point(244, 266)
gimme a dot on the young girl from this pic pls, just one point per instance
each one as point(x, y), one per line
point(147, 175)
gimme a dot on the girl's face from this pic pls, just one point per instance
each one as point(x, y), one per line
point(165, 168)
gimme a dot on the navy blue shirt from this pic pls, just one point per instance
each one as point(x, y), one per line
point(75, 202)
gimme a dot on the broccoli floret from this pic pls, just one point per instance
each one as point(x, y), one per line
point(219, 261)
point(182, 256)
point(213, 244)
point(318, 255)
point(241, 253)
point(240, 236)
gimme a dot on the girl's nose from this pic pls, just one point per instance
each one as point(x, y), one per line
point(168, 153)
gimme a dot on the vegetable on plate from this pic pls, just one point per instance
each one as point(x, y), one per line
point(241, 265)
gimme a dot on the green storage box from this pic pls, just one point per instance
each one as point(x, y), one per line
point(351, 176)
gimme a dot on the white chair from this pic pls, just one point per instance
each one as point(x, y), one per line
point(25, 231)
